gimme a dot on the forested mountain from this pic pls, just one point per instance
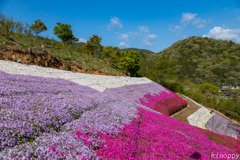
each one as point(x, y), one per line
point(199, 59)
point(137, 49)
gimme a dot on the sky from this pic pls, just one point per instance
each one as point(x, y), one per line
point(153, 24)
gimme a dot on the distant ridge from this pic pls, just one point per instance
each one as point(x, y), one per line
point(136, 49)
point(81, 44)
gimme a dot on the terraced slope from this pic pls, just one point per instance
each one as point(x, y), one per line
point(53, 118)
point(202, 118)
point(98, 82)
point(183, 114)
point(220, 125)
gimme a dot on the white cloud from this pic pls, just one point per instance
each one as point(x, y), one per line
point(174, 28)
point(187, 18)
point(115, 23)
point(143, 29)
point(151, 37)
point(178, 27)
point(198, 21)
point(133, 34)
point(82, 40)
point(123, 36)
point(147, 43)
point(123, 44)
point(200, 25)
point(190, 18)
point(184, 36)
point(221, 33)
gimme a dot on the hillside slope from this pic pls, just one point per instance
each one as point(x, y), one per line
point(137, 49)
point(205, 59)
point(53, 55)
point(67, 117)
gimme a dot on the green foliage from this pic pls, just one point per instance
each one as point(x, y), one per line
point(9, 43)
point(38, 27)
point(65, 50)
point(209, 89)
point(220, 72)
point(205, 93)
point(174, 86)
point(209, 92)
point(205, 58)
point(7, 25)
point(93, 45)
point(137, 49)
point(112, 54)
point(2, 22)
point(64, 32)
point(130, 62)
point(196, 95)
point(19, 28)
point(27, 31)
point(78, 49)
point(162, 69)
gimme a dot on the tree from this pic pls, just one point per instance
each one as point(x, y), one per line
point(162, 69)
point(209, 91)
point(93, 45)
point(53, 42)
point(64, 32)
point(2, 22)
point(27, 30)
point(11, 24)
point(19, 27)
point(45, 40)
point(111, 53)
point(78, 48)
point(130, 61)
point(7, 25)
point(38, 27)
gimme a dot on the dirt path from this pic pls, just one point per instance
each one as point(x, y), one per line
point(183, 114)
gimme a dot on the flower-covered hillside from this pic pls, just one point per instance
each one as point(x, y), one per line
point(154, 136)
point(47, 118)
point(36, 109)
point(152, 95)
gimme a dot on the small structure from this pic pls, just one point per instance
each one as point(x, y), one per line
point(224, 90)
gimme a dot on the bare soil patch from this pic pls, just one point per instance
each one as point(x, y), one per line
point(183, 114)
point(40, 57)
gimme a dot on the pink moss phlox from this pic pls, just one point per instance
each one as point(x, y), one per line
point(166, 102)
point(156, 136)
